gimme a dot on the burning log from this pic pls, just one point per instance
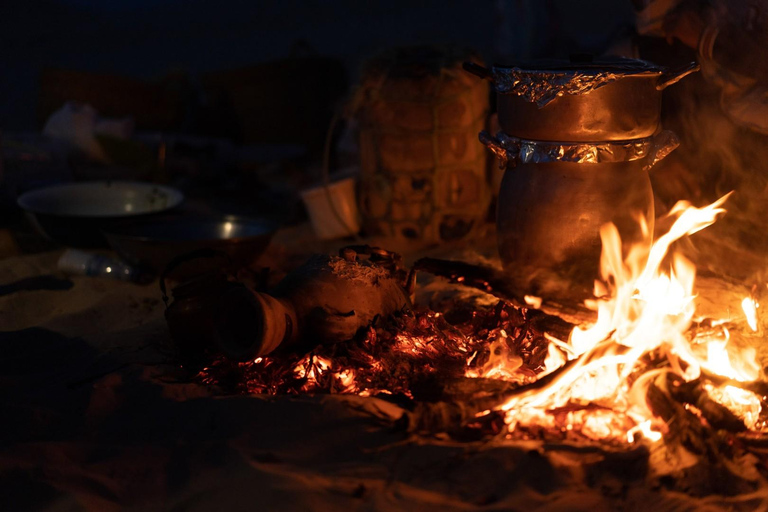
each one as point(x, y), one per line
point(460, 420)
point(469, 406)
point(493, 281)
point(717, 415)
point(466, 407)
point(716, 468)
point(760, 388)
point(685, 428)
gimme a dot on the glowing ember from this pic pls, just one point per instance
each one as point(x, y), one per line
point(744, 404)
point(346, 379)
point(646, 430)
point(533, 301)
point(501, 364)
point(399, 357)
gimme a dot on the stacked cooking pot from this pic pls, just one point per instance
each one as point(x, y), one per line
point(577, 140)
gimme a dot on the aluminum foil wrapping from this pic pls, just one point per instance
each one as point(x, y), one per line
point(662, 145)
point(512, 151)
point(542, 87)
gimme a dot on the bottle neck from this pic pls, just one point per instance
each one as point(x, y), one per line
point(252, 324)
point(280, 322)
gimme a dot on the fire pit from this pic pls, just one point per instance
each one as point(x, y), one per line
point(633, 370)
point(583, 344)
point(647, 372)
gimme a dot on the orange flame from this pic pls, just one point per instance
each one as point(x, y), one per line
point(749, 306)
point(643, 306)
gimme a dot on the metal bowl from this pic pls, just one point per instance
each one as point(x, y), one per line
point(76, 213)
point(152, 245)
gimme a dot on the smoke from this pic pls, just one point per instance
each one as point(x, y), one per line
point(717, 155)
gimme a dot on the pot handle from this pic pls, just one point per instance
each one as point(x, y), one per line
point(206, 252)
point(478, 70)
point(663, 144)
point(494, 145)
point(675, 75)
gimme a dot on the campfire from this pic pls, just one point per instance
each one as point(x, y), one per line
point(425, 257)
point(646, 369)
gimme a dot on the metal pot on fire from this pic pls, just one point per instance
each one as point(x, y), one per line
point(577, 140)
point(581, 99)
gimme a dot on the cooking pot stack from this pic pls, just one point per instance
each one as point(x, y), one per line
point(577, 140)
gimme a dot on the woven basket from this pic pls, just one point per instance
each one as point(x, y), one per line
point(423, 171)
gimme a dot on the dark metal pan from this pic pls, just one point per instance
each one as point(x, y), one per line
point(76, 213)
point(153, 244)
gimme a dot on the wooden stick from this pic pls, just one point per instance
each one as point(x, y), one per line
point(758, 387)
point(717, 415)
point(494, 282)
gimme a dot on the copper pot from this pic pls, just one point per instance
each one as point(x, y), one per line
point(582, 99)
point(550, 217)
point(578, 138)
point(555, 197)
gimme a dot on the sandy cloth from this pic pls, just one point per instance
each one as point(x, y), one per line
point(94, 418)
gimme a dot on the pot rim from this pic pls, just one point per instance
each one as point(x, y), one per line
point(614, 65)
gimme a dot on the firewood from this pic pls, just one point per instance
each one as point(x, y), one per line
point(456, 418)
point(457, 403)
point(493, 281)
point(718, 416)
point(477, 390)
point(758, 387)
point(685, 428)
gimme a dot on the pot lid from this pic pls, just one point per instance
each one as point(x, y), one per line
point(542, 81)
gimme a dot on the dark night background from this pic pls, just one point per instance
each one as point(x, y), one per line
point(151, 38)
point(129, 376)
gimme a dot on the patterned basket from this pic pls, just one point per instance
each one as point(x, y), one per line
point(423, 172)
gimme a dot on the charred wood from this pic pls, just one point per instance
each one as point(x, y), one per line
point(684, 428)
point(717, 415)
point(493, 281)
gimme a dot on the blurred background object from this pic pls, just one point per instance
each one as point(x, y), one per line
point(154, 105)
point(155, 52)
point(75, 214)
point(721, 116)
point(150, 245)
point(423, 173)
point(285, 101)
point(232, 104)
point(332, 209)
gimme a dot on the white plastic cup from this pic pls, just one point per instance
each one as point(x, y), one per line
point(332, 209)
point(75, 262)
